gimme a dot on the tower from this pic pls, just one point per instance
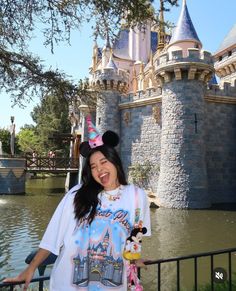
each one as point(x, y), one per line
point(110, 82)
point(161, 29)
point(183, 71)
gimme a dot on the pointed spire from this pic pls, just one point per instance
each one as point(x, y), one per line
point(106, 51)
point(95, 49)
point(161, 28)
point(107, 44)
point(111, 64)
point(95, 55)
point(184, 30)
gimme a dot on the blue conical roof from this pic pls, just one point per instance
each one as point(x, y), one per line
point(213, 80)
point(184, 29)
point(229, 40)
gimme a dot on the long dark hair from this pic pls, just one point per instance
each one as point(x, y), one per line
point(86, 198)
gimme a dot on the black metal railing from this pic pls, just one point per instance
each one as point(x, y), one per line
point(11, 286)
point(159, 263)
point(194, 258)
point(41, 269)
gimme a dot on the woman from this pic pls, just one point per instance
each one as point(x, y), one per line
point(89, 228)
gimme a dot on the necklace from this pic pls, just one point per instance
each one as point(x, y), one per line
point(115, 194)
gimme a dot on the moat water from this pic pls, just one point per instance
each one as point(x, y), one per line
point(23, 219)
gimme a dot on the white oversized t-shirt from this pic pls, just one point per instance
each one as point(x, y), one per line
point(90, 256)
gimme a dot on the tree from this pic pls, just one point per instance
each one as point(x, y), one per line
point(21, 73)
point(28, 140)
point(51, 117)
point(5, 139)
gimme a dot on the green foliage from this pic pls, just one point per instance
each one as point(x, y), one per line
point(140, 174)
point(5, 139)
point(22, 74)
point(28, 140)
point(51, 117)
point(218, 286)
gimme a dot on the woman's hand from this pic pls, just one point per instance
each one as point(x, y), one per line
point(140, 263)
point(26, 276)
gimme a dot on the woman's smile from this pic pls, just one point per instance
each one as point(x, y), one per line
point(103, 171)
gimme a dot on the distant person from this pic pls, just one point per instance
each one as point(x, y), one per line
point(89, 228)
point(34, 157)
point(50, 155)
point(53, 159)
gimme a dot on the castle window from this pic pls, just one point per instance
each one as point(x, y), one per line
point(99, 120)
point(196, 45)
point(229, 53)
point(220, 58)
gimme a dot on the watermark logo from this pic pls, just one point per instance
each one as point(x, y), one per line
point(219, 275)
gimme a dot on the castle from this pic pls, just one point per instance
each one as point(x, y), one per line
point(104, 267)
point(161, 96)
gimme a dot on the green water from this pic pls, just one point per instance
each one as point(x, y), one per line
point(23, 219)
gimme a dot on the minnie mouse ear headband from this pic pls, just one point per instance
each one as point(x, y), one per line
point(109, 138)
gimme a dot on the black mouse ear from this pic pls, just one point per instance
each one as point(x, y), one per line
point(84, 149)
point(110, 138)
point(144, 230)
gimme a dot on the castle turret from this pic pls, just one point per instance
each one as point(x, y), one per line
point(182, 72)
point(94, 56)
point(184, 35)
point(110, 82)
point(106, 52)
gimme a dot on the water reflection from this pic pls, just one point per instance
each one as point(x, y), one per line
point(23, 220)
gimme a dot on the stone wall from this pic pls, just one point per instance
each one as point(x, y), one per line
point(107, 113)
point(12, 176)
point(141, 139)
point(221, 151)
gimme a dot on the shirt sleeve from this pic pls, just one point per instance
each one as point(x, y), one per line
point(54, 235)
point(145, 211)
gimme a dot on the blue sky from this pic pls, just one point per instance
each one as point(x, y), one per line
point(212, 20)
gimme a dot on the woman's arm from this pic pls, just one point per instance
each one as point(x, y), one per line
point(27, 275)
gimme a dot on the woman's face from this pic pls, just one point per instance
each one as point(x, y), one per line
point(103, 171)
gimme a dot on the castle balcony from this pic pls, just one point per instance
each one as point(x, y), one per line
point(174, 64)
point(193, 55)
point(226, 66)
point(110, 74)
point(226, 93)
point(141, 98)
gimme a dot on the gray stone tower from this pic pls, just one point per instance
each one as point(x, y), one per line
point(111, 83)
point(183, 71)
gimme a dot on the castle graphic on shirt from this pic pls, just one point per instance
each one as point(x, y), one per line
point(98, 265)
point(102, 262)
